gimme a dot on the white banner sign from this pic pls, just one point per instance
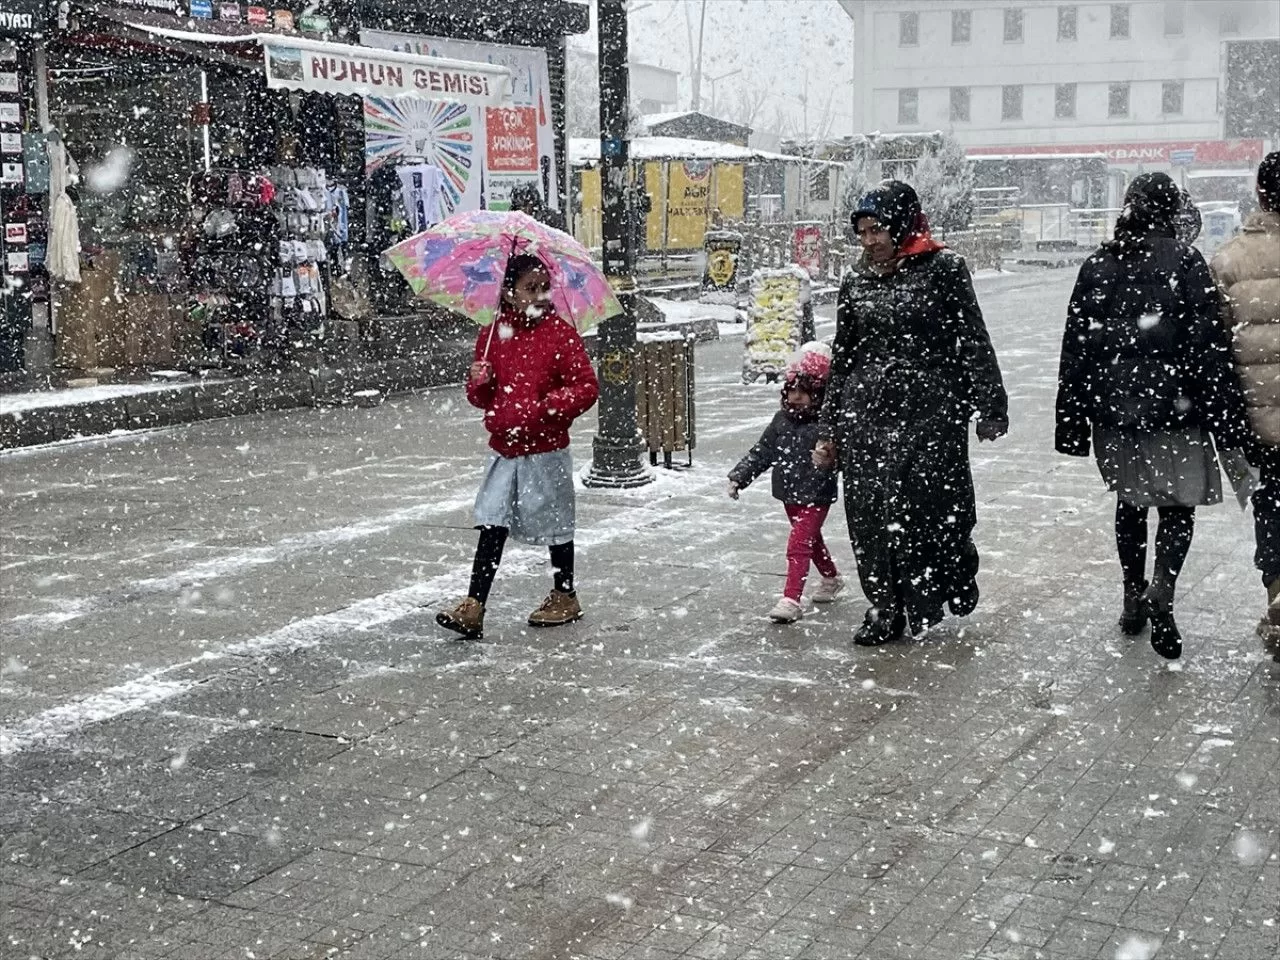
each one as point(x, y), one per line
point(344, 69)
point(485, 153)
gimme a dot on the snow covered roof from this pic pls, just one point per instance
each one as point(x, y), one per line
point(975, 157)
point(651, 120)
point(585, 151)
point(1207, 173)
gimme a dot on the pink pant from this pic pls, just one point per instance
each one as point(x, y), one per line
point(805, 544)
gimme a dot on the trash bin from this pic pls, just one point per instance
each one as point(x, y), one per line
point(664, 394)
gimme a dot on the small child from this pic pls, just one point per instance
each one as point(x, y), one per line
point(532, 378)
point(806, 491)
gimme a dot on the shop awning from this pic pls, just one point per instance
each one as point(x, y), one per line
point(585, 152)
point(299, 63)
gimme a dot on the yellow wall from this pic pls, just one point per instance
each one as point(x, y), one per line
point(687, 196)
point(653, 183)
point(730, 193)
point(587, 227)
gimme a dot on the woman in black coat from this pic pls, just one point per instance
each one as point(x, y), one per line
point(911, 366)
point(1145, 373)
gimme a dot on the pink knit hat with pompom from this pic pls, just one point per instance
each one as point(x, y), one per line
point(812, 361)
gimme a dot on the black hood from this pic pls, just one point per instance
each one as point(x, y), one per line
point(1151, 205)
point(895, 205)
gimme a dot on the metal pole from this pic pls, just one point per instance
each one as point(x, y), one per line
point(617, 451)
point(697, 73)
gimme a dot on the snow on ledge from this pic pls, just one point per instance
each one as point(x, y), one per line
point(39, 399)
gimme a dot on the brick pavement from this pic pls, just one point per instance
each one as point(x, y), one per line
point(311, 772)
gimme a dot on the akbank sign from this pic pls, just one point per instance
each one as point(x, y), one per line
point(1217, 153)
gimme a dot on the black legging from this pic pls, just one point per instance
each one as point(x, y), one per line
point(489, 555)
point(1173, 540)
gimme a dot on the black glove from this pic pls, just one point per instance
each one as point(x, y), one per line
point(992, 429)
point(1072, 439)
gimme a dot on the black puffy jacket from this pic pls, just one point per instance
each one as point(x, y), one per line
point(787, 445)
point(1143, 349)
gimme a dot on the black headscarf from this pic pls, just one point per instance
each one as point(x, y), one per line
point(1151, 205)
point(1189, 222)
point(895, 205)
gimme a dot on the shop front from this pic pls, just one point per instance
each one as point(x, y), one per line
point(223, 198)
point(23, 183)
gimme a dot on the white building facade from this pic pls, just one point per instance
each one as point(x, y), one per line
point(1141, 82)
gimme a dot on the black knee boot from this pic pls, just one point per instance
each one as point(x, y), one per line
point(1133, 618)
point(1131, 543)
point(1173, 540)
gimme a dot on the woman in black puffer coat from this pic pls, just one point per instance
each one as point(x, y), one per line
point(1145, 373)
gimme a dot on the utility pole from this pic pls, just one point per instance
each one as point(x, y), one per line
point(697, 71)
point(617, 451)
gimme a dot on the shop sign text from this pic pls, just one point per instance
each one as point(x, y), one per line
point(16, 21)
point(304, 69)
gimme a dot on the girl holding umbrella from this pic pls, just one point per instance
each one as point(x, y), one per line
point(531, 376)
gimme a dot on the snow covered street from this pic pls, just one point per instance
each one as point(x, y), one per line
point(231, 728)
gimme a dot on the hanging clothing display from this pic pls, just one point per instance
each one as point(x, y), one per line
point(63, 257)
point(340, 214)
point(422, 190)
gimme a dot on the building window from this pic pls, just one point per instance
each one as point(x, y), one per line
point(1119, 21)
point(960, 104)
point(1064, 101)
point(908, 29)
point(1175, 18)
point(909, 106)
point(1171, 97)
point(961, 26)
point(1067, 18)
point(1011, 103)
point(1229, 20)
point(1013, 25)
point(1118, 100)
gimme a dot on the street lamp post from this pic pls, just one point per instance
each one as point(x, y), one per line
point(617, 452)
point(714, 80)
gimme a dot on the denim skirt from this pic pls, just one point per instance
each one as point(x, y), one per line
point(532, 496)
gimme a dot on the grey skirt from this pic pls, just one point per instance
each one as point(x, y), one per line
point(1178, 468)
point(532, 496)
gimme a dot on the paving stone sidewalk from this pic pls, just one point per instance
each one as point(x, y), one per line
point(230, 731)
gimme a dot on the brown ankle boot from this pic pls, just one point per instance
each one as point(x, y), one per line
point(467, 618)
point(557, 610)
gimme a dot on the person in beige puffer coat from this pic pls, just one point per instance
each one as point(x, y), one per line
point(1248, 270)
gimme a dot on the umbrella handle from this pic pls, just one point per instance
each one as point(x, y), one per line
point(484, 357)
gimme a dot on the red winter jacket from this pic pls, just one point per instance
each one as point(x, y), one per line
point(542, 381)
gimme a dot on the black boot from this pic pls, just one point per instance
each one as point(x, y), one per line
point(965, 601)
point(877, 629)
point(1133, 619)
point(1165, 638)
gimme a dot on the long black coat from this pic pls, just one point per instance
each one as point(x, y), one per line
point(1143, 349)
point(911, 365)
point(787, 446)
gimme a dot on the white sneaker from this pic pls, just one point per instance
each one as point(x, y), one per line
point(786, 610)
point(828, 589)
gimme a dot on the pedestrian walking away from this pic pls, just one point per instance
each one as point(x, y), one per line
point(532, 378)
point(1145, 375)
point(806, 490)
point(1248, 271)
point(912, 365)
